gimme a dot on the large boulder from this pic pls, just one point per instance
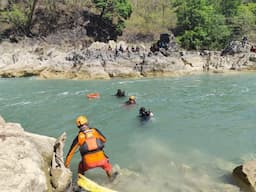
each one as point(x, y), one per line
point(245, 175)
point(24, 159)
point(30, 162)
point(235, 47)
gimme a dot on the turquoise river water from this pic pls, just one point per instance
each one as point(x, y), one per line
point(203, 126)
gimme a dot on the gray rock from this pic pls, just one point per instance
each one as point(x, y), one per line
point(115, 59)
point(26, 158)
point(61, 177)
point(23, 159)
point(245, 175)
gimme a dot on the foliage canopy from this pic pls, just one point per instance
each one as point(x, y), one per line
point(116, 11)
point(197, 24)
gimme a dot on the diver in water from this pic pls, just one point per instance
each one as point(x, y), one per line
point(131, 101)
point(143, 114)
point(120, 93)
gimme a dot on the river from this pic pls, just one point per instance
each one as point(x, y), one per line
point(203, 125)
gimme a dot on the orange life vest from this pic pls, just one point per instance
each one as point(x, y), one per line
point(89, 142)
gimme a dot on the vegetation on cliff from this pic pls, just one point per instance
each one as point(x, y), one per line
point(196, 24)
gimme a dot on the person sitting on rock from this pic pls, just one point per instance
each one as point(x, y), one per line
point(253, 49)
point(120, 93)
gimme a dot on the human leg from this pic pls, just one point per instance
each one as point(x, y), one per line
point(82, 167)
point(108, 169)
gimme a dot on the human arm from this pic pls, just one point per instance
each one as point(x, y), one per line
point(71, 151)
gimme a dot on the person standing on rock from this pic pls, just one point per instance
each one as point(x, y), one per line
point(90, 142)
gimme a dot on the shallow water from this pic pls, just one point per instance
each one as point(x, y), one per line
point(203, 126)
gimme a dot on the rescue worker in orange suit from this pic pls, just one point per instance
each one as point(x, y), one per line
point(91, 143)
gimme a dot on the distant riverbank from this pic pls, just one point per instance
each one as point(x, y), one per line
point(113, 60)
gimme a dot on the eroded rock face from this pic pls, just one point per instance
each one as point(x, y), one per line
point(61, 177)
point(245, 175)
point(115, 59)
point(24, 159)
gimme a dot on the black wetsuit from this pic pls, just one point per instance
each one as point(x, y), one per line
point(145, 115)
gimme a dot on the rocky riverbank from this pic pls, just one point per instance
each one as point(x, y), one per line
point(115, 59)
point(28, 161)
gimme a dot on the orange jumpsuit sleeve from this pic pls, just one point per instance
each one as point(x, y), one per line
point(100, 135)
point(71, 152)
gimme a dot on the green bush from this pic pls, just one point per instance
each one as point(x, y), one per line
point(201, 26)
point(16, 16)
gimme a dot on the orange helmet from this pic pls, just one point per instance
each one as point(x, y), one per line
point(81, 120)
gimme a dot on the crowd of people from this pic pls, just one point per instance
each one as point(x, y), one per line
point(90, 142)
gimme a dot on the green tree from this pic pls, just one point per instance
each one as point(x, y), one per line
point(151, 17)
point(15, 16)
point(20, 15)
point(31, 11)
point(229, 7)
point(244, 21)
point(117, 11)
point(200, 26)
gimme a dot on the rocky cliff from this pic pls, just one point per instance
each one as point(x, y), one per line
point(114, 59)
